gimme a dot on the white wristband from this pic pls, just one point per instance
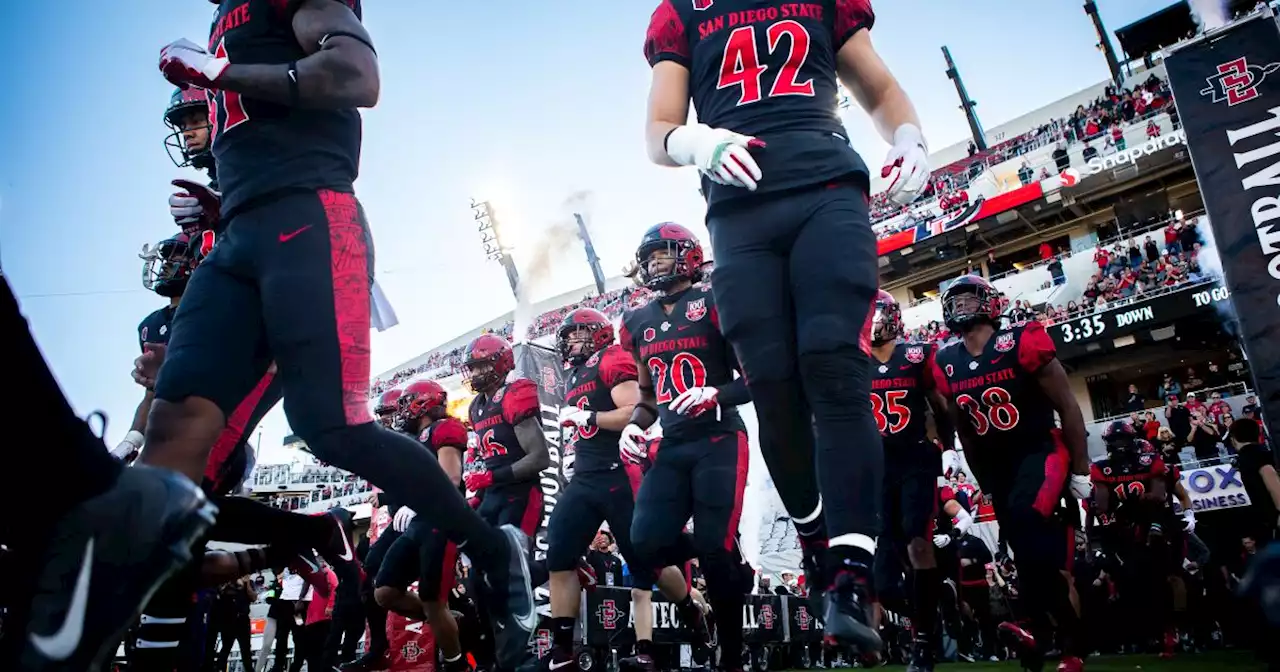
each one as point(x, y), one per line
point(682, 143)
point(132, 441)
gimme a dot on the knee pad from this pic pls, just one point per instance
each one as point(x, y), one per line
point(837, 382)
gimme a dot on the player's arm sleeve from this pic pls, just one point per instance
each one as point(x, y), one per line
point(1035, 348)
point(941, 418)
point(852, 16)
point(617, 366)
point(735, 392)
point(536, 456)
point(520, 402)
point(666, 39)
point(450, 433)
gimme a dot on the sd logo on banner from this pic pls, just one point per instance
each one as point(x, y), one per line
point(413, 649)
point(1226, 86)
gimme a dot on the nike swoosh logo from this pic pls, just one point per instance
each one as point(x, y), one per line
point(564, 663)
point(61, 644)
point(997, 359)
point(347, 555)
point(286, 237)
point(904, 367)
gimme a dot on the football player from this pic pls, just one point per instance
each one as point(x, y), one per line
point(1002, 388)
point(601, 392)
point(422, 552)
point(686, 372)
point(187, 117)
point(289, 281)
point(787, 210)
point(902, 392)
point(387, 410)
point(1131, 484)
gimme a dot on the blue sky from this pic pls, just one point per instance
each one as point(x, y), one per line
point(524, 103)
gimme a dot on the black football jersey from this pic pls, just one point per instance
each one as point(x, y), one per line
point(767, 69)
point(494, 419)
point(899, 401)
point(1128, 478)
point(589, 386)
point(682, 349)
point(154, 328)
point(997, 391)
point(260, 146)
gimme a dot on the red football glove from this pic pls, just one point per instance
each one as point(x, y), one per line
point(478, 481)
point(186, 63)
point(474, 502)
point(196, 207)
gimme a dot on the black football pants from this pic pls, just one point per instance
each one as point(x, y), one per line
point(794, 281)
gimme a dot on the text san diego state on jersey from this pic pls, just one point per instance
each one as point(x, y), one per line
point(997, 391)
point(767, 69)
point(445, 432)
point(259, 146)
point(589, 386)
point(494, 419)
point(155, 327)
point(682, 350)
point(899, 389)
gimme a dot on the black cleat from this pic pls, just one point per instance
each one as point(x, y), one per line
point(921, 658)
point(337, 548)
point(846, 616)
point(510, 601)
point(638, 663)
point(559, 661)
point(370, 661)
point(103, 563)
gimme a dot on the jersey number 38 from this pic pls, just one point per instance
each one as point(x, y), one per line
point(1000, 412)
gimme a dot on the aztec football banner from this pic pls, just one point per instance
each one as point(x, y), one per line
point(413, 649)
point(1226, 86)
point(544, 367)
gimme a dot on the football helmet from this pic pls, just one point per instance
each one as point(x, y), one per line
point(488, 360)
point(189, 142)
point(886, 321)
point(598, 329)
point(419, 398)
point(167, 266)
point(387, 410)
point(1121, 438)
point(970, 300)
point(685, 252)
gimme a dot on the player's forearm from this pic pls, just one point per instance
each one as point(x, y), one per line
point(1183, 498)
point(451, 461)
point(1073, 434)
point(656, 142)
point(615, 420)
point(734, 393)
point(536, 458)
point(891, 108)
point(339, 76)
point(646, 412)
point(143, 412)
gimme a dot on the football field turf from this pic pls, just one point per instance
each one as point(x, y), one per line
point(1234, 661)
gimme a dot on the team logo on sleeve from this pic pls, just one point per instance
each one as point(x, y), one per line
point(950, 370)
point(497, 396)
point(595, 359)
point(915, 354)
point(649, 334)
point(696, 310)
point(1144, 460)
point(1004, 342)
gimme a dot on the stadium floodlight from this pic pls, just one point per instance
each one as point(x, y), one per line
point(497, 246)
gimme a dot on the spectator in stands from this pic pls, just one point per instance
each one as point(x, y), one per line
point(1169, 387)
point(1195, 404)
point(1178, 418)
point(1188, 235)
point(1171, 244)
point(1194, 382)
point(1135, 402)
point(1089, 152)
point(1025, 173)
point(1251, 410)
point(1151, 248)
point(1204, 437)
point(1151, 426)
point(1135, 255)
point(1168, 446)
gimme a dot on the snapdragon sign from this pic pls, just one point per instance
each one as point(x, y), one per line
point(1226, 86)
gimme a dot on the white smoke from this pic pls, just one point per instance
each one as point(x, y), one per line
point(1209, 14)
point(1210, 261)
point(552, 245)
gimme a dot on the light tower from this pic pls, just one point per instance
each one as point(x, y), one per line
point(491, 238)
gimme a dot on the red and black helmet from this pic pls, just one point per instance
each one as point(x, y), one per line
point(886, 321)
point(1120, 437)
point(488, 360)
point(387, 409)
point(597, 326)
point(420, 397)
point(988, 307)
point(167, 266)
point(182, 103)
point(685, 250)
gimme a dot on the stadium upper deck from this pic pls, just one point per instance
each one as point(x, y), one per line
point(1053, 176)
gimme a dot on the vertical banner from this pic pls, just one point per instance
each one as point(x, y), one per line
point(413, 648)
point(544, 367)
point(1226, 86)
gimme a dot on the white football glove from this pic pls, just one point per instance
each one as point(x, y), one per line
point(572, 416)
point(910, 157)
point(566, 465)
point(633, 446)
point(196, 207)
point(718, 153)
point(186, 63)
point(695, 401)
point(941, 540)
point(402, 518)
point(132, 442)
point(950, 462)
point(1188, 521)
point(1081, 486)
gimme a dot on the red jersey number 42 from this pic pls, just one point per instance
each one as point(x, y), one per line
point(741, 65)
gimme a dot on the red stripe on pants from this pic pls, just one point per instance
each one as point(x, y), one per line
point(532, 511)
point(349, 261)
point(233, 433)
point(739, 491)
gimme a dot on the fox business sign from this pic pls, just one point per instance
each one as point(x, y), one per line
point(1215, 487)
point(1130, 156)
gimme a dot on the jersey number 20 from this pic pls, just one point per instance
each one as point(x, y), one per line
point(686, 372)
point(741, 66)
